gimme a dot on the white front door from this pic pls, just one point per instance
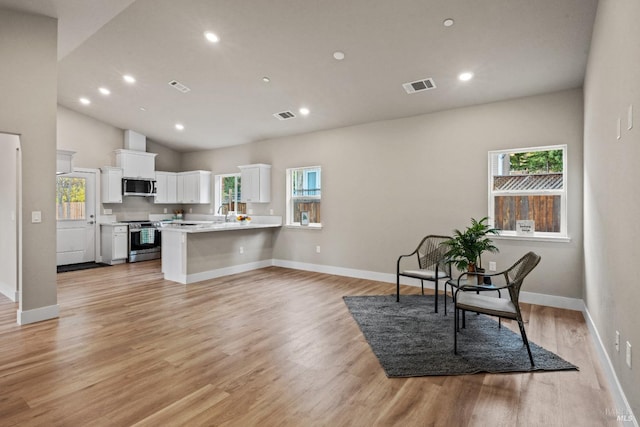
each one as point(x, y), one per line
point(76, 218)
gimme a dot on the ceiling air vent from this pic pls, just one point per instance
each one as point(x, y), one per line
point(285, 115)
point(419, 86)
point(179, 86)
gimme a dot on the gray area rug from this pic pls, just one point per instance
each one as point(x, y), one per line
point(410, 340)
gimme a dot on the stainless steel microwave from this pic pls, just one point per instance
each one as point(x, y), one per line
point(138, 187)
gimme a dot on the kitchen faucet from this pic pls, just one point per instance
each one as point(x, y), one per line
point(226, 212)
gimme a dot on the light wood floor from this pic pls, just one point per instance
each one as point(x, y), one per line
point(272, 347)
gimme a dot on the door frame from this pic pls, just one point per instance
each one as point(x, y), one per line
point(96, 191)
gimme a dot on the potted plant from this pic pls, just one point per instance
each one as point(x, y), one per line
point(465, 248)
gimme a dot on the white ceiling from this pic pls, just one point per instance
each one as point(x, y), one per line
point(514, 47)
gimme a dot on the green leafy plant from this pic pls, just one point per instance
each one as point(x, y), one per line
point(466, 247)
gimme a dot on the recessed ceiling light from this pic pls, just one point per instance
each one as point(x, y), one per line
point(179, 126)
point(266, 79)
point(448, 22)
point(143, 109)
point(129, 79)
point(304, 111)
point(212, 37)
point(85, 101)
point(466, 76)
point(104, 91)
point(338, 55)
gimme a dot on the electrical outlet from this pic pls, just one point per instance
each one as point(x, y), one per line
point(108, 211)
point(211, 210)
point(241, 249)
point(617, 341)
point(250, 211)
point(270, 211)
point(318, 249)
point(165, 210)
point(492, 266)
point(190, 210)
point(628, 354)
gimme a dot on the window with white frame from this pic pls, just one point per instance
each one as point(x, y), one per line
point(228, 191)
point(304, 196)
point(528, 191)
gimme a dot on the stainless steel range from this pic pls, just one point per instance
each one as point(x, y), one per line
point(144, 240)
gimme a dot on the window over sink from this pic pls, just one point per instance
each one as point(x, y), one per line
point(228, 192)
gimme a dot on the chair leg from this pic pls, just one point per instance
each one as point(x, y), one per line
point(526, 341)
point(436, 296)
point(455, 330)
point(397, 288)
point(445, 297)
point(422, 285)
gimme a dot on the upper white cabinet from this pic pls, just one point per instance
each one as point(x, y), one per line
point(111, 184)
point(136, 164)
point(166, 187)
point(64, 161)
point(256, 183)
point(194, 187)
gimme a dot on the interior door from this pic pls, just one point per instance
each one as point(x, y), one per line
point(76, 218)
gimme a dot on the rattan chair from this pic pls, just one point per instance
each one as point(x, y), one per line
point(432, 265)
point(467, 298)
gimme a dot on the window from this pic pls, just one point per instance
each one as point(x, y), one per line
point(304, 194)
point(529, 185)
point(70, 198)
point(228, 192)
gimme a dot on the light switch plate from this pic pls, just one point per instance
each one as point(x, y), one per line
point(618, 128)
point(628, 354)
point(36, 217)
point(630, 117)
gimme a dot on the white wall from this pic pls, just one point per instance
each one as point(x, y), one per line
point(387, 184)
point(611, 177)
point(28, 107)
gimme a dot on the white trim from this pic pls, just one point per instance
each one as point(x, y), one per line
point(97, 254)
point(38, 314)
point(339, 271)
point(619, 398)
point(226, 271)
point(13, 295)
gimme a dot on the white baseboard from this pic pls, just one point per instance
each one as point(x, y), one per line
point(526, 297)
point(38, 314)
point(11, 294)
point(226, 271)
point(622, 411)
point(338, 271)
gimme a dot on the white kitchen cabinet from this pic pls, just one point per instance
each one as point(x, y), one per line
point(111, 184)
point(64, 161)
point(256, 183)
point(136, 164)
point(114, 243)
point(194, 187)
point(166, 187)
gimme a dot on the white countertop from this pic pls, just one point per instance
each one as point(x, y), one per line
point(209, 226)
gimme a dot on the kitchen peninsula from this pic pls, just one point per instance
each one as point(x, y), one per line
point(202, 250)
